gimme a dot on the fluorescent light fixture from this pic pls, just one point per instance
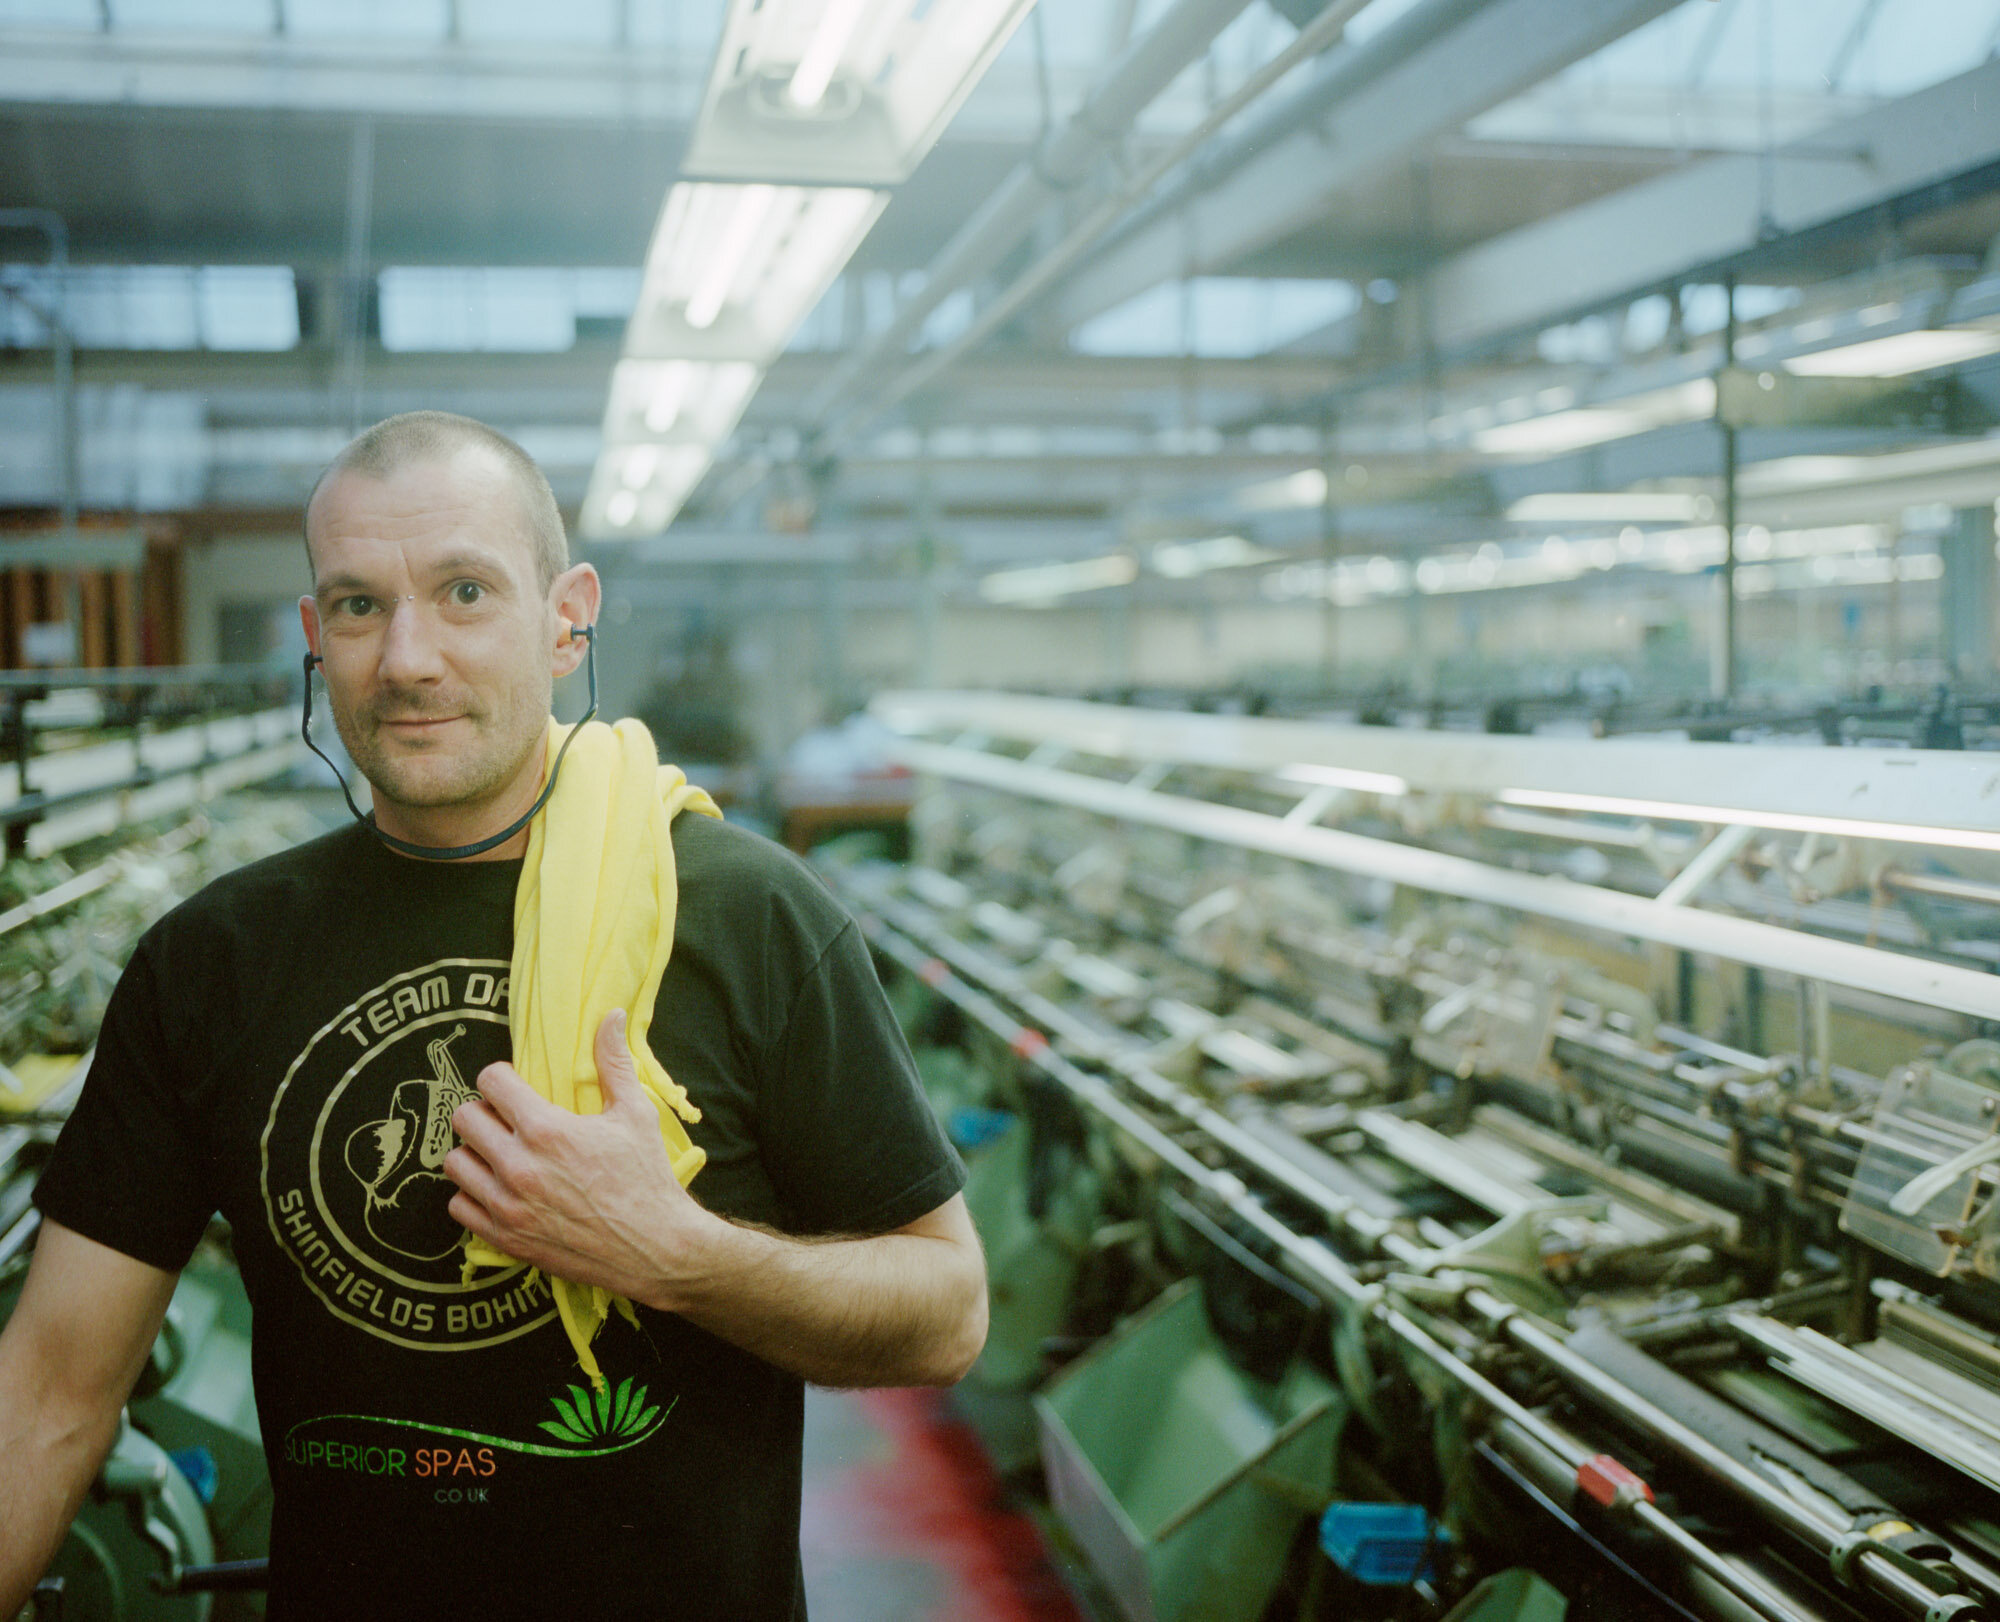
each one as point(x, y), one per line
point(1670, 811)
point(1303, 489)
point(734, 269)
point(1899, 354)
point(1046, 582)
point(1344, 777)
point(841, 91)
point(815, 70)
point(1182, 560)
point(1593, 425)
point(677, 401)
point(748, 210)
point(1612, 507)
point(636, 489)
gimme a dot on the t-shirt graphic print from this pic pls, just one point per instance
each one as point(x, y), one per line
point(353, 1181)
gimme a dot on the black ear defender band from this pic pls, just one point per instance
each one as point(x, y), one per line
point(457, 853)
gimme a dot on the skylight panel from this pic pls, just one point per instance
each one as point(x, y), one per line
point(49, 14)
point(1216, 316)
point(247, 307)
point(574, 22)
point(1914, 43)
point(368, 19)
point(192, 16)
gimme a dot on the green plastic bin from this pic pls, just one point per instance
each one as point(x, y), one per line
point(1183, 1479)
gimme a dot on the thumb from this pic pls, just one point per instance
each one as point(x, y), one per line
point(617, 1074)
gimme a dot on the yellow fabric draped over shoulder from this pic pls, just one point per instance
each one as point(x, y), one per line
point(593, 928)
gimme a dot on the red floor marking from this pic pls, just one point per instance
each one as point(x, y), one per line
point(935, 1499)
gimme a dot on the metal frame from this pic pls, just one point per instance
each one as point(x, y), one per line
point(1931, 791)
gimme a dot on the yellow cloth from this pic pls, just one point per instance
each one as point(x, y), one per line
point(593, 927)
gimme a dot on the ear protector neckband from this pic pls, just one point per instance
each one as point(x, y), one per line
point(455, 853)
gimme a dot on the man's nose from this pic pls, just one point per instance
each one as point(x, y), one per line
point(409, 645)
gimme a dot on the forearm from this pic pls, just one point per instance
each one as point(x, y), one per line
point(898, 1308)
point(48, 1455)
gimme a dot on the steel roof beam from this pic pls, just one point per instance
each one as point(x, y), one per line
point(1423, 78)
point(1724, 213)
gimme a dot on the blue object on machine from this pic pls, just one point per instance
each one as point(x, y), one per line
point(1389, 1545)
point(198, 1465)
point(973, 1128)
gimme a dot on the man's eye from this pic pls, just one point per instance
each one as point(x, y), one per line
point(467, 592)
point(353, 607)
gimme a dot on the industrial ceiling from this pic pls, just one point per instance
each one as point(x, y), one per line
point(1145, 289)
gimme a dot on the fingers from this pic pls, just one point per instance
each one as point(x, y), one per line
point(617, 1074)
point(516, 1103)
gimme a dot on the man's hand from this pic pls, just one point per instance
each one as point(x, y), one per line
point(589, 1198)
point(593, 1199)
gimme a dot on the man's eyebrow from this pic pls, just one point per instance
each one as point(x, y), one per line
point(339, 582)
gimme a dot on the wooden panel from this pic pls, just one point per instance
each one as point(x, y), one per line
point(20, 612)
point(92, 644)
point(125, 618)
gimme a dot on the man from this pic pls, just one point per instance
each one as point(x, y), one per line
point(291, 1046)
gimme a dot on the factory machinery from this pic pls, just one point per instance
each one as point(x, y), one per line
point(1496, 1177)
point(118, 799)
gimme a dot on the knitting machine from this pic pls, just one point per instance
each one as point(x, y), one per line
point(1511, 1176)
point(105, 769)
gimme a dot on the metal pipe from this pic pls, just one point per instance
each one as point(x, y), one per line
point(1063, 158)
point(1337, 79)
point(1315, 37)
point(1862, 1566)
point(1948, 889)
point(62, 344)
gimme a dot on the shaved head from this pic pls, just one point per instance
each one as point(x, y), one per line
point(439, 436)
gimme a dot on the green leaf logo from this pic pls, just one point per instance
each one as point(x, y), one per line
point(587, 1417)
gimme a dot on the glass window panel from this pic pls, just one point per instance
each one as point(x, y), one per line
point(380, 19)
point(574, 22)
point(425, 307)
point(607, 292)
point(1912, 45)
point(527, 311)
point(457, 307)
point(133, 307)
point(1216, 316)
point(194, 16)
point(49, 13)
point(248, 307)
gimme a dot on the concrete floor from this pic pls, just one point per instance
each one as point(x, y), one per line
point(904, 1520)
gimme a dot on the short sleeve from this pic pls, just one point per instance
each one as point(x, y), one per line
point(128, 1170)
point(850, 1141)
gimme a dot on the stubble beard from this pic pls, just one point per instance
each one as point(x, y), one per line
point(466, 772)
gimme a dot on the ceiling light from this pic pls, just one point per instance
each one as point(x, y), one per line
point(815, 70)
point(1045, 582)
point(1667, 810)
point(734, 269)
point(637, 489)
point(1303, 489)
point(1593, 425)
point(677, 401)
point(1182, 560)
point(748, 210)
point(1344, 777)
point(1898, 355)
point(832, 91)
point(1612, 507)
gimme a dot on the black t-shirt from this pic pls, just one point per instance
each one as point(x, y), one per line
point(284, 1047)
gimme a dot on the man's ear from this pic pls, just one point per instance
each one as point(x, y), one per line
point(577, 595)
point(309, 618)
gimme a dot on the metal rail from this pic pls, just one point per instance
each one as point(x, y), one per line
point(1913, 979)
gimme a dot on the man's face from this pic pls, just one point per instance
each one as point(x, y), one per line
point(435, 629)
